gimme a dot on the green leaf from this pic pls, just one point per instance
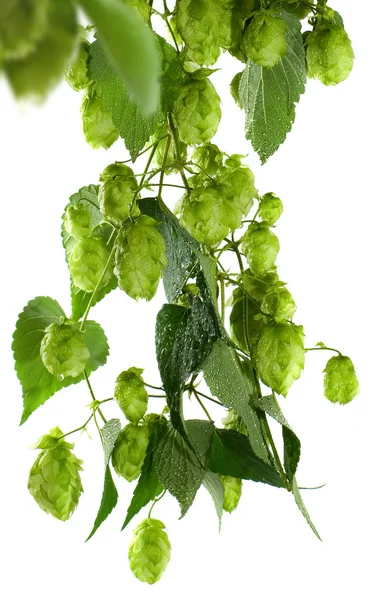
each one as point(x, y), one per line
point(135, 128)
point(214, 486)
point(303, 509)
point(269, 96)
point(228, 381)
point(177, 466)
point(148, 486)
point(131, 47)
point(87, 197)
point(201, 434)
point(37, 383)
point(108, 434)
point(233, 455)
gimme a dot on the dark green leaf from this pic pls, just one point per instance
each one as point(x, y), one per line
point(131, 47)
point(214, 486)
point(201, 434)
point(303, 509)
point(269, 96)
point(37, 383)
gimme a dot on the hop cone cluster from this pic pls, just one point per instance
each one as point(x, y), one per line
point(232, 487)
point(63, 350)
point(149, 551)
point(77, 221)
point(270, 208)
point(264, 40)
point(117, 192)
point(87, 262)
point(130, 450)
point(22, 25)
point(197, 112)
point(140, 258)
point(131, 395)
point(98, 128)
point(261, 247)
point(54, 479)
point(340, 381)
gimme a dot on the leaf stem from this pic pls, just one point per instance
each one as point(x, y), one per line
point(82, 428)
point(154, 387)
point(323, 348)
point(202, 405)
point(178, 153)
point(155, 501)
point(209, 398)
point(164, 161)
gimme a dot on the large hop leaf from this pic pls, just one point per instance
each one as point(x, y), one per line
point(87, 263)
point(131, 395)
point(270, 208)
point(140, 258)
point(340, 382)
point(130, 450)
point(63, 350)
point(261, 247)
point(117, 192)
point(232, 487)
point(149, 551)
point(77, 75)
point(54, 479)
point(197, 112)
point(98, 128)
point(22, 24)
point(280, 355)
point(264, 41)
point(329, 54)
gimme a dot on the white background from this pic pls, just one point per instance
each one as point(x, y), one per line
point(329, 174)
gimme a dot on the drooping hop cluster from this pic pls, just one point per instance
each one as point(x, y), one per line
point(232, 487)
point(63, 350)
point(131, 395)
point(140, 258)
point(130, 450)
point(264, 41)
point(89, 264)
point(117, 193)
point(340, 382)
point(149, 551)
point(54, 480)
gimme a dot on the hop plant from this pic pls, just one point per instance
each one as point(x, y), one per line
point(54, 480)
point(197, 112)
point(149, 551)
point(130, 450)
point(280, 355)
point(270, 208)
point(131, 395)
point(89, 264)
point(279, 303)
point(264, 41)
point(77, 73)
point(261, 247)
point(340, 381)
point(63, 350)
point(98, 128)
point(77, 221)
point(117, 193)
point(140, 258)
point(208, 157)
point(22, 24)
point(232, 487)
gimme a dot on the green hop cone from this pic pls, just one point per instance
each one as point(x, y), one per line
point(197, 112)
point(54, 479)
point(22, 25)
point(140, 6)
point(270, 208)
point(63, 350)
point(329, 54)
point(233, 421)
point(232, 487)
point(131, 395)
point(237, 184)
point(264, 40)
point(37, 73)
point(117, 192)
point(297, 8)
point(171, 161)
point(130, 450)
point(140, 258)
point(261, 247)
point(98, 128)
point(77, 73)
point(153, 420)
point(279, 303)
point(149, 551)
point(280, 355)
point(77, 221)
point(208, 157)
point(340, 382)
point(198, 24)
point(89, 264)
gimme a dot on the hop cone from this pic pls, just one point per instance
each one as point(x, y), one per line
point(117, 192)
point(232, 487)
point(279, 303)
point(54, 479)
point(329, 54)
point(171, 163)
point(197, 112)
point(87, 263)
point(77, 221)
point(198, 23)
point(140, 6)
point(22, 25)
point(130, 450)
point(140, 258)
point(77, 73)
point(297, 8)
point(340, 382)
point(149, 551)
point(233, 421)
point(131, 395)
point(205, 215)
point(264, 41)
point(238, 185)
point(270, 208)
point(280, 355)
point(208, 157)
point(152, 420)
point(261, 247)
point(63, 350)
point(98, 128)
